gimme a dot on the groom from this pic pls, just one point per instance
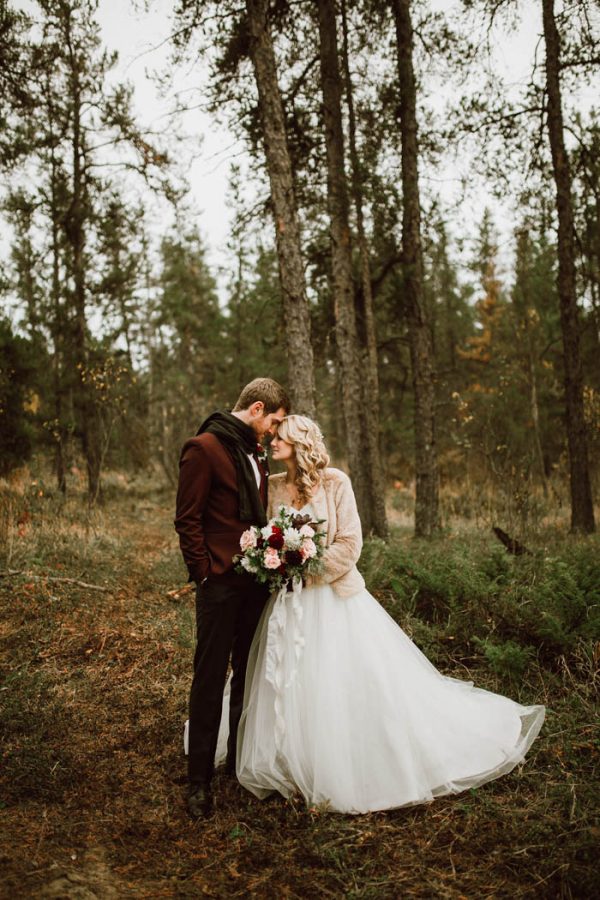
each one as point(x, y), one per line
point(222, 491)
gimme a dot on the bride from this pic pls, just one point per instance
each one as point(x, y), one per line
point(339, 704)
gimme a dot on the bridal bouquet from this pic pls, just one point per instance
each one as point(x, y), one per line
point(289, 547)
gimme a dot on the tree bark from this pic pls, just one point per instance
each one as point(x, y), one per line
point(365, 316)
point(535, 417)
point(520, 300)
point(341, 263)
point(582, 509)
point(58, 340)
point(421, 350)
point(287, 229)
point(75, 233)
point(57, 328)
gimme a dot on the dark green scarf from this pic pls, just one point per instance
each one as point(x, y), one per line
point(240, 440)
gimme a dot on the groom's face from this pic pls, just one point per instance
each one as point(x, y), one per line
point(264, 424)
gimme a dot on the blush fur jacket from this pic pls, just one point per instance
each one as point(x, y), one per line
point(333, 501)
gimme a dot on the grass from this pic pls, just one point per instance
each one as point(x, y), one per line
point(94, 694)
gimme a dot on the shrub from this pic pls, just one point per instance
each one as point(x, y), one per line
point(506, 658)
point(468, 594)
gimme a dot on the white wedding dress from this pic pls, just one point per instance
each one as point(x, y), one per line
point(341, 706)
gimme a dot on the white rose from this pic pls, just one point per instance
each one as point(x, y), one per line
point(307, 531)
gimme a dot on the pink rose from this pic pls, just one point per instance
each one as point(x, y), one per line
point(307, 531)
point(308, 548)
point(248, 540)
point(272, 560)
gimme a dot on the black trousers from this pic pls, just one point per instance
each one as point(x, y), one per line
point(227, 613)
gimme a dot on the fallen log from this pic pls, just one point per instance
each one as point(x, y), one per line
point(512, 545)
point(177, 593)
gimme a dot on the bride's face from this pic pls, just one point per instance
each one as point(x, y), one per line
point(280, 449)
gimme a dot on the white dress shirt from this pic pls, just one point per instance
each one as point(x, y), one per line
point(252, 459)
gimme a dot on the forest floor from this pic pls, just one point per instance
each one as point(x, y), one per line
point(93, 699)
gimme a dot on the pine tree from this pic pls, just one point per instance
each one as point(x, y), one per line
point(287, 230)
point(582, 508)
point(72, 122)
point(427, 487)
point(188, 355)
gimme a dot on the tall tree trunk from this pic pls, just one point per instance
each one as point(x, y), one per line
point(75, 231)
point(365, 316)
point(58, 340)
point(582, 509)
point(57, 329)
point(535, 416)
point(522, 311)
point(341, 263)
point(421, 350)
point(238, 305)
point(287, 230)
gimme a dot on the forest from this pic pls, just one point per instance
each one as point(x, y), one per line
point(414, 253)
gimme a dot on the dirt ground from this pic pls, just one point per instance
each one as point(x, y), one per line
point(93, 700)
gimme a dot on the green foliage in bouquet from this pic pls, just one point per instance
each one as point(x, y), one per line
point(289, 547)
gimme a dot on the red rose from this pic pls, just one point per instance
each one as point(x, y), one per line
point(276, 541)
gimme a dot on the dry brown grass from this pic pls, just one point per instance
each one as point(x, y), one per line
point(93, 698)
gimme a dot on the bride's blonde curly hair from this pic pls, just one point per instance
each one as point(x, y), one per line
point(311, 454)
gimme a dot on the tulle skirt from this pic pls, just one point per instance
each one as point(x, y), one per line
point(341, 706)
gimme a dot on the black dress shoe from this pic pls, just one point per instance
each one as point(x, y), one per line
point(200, 801)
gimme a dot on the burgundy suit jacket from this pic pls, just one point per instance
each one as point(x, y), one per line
point(207, 513)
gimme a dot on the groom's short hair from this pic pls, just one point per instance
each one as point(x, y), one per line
point(268, 392)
